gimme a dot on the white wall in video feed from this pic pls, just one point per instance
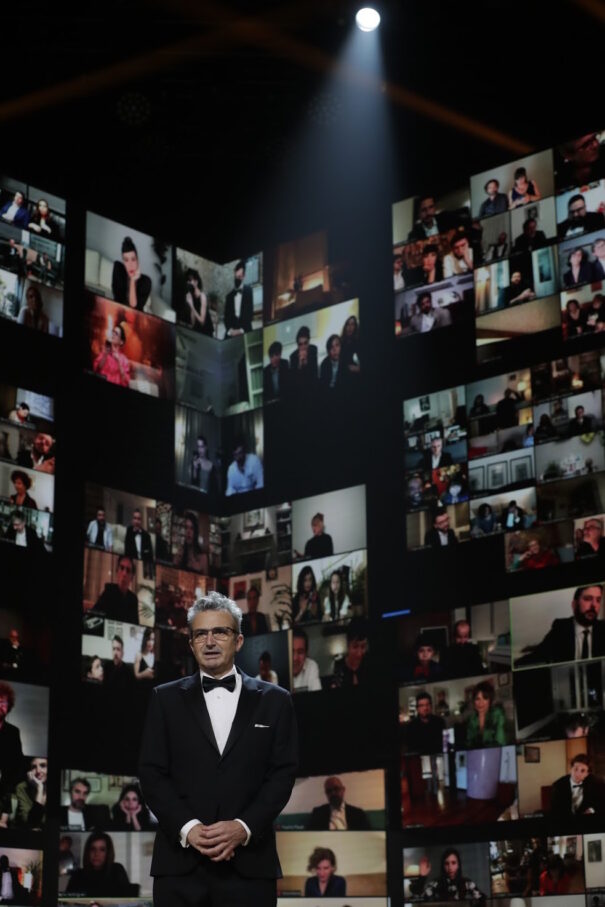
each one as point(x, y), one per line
point(30, 716)
point(360, 862)
point(112, 262)
point(344, 521)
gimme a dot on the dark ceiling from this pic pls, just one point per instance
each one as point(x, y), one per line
point(179, 115)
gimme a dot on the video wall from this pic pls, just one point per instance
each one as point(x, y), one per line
point(500, 671)
point(217, 432)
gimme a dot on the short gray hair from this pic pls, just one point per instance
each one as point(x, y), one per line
point(214, 601)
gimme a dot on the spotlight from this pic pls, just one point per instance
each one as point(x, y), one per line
point(367, 18)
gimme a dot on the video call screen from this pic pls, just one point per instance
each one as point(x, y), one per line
point(32, 256)
point(27, 469)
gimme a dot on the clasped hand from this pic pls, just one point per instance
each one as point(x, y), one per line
point(217, 841)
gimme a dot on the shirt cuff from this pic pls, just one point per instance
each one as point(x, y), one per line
point(246, 829)
point(186, 829)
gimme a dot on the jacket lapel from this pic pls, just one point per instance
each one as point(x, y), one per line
point(192, 690)
point(248, 700)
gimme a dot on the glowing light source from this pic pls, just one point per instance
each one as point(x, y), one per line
point(367, 18)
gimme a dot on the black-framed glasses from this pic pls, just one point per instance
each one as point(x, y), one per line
point(221, 634)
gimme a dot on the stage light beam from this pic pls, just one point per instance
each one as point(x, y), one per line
point(367, 19)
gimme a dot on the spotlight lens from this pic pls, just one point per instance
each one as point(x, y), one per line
point(367, 19)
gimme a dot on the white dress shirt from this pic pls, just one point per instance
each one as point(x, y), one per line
point(222, 706)
point(308, 678)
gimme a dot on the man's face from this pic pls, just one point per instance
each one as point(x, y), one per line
point(592, 529)
point(425, 305)
point(577, 209)
point(100, 516)
point(424, 708)
point(335, 792)
point(580, 412)
point(125, 572)
point(463, 634)
point(42, 443)
point(515, 278)
point(14, 637)
point(492, 188)
point(317, 527)
point(239, 276)
point(137, 521)
point(79, 794)
point(584, 150)
point(587, 606)
point(534, 547)
point(299, 654)
point(356, 650)
point(18, 525)
point(239, 455)
point(579, 771)
point(19, 199)
point(436, 446)
point(252, 599)
point(427, 210)
point(460, 248)
point(425, 654)
point(335, 349)
point(442, 522)
point(531, 227)
point(275, 359)
point(117, 652)
point(215, 656)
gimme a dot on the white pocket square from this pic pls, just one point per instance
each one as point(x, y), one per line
point(261, 725)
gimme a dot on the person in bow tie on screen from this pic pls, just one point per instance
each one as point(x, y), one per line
point(239, 304)
point(579, 793)
point(137, 543)
point(218, 763)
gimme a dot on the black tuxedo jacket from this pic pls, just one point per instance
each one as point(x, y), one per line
point(184, 777)
point(432, 539)
point(559, 644)
point(320, 818)
point(246, 312)
point(560, 799)
point(284, 377)
point(12, 764)
point(130, 548)
point(94, 817)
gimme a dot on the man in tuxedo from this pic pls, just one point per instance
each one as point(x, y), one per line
point(254, 622)
point(239, 304)
point(572, 638)
point(78, 814)
point(429, 223)
point(336, 815)
point(440, 535)
point(577, 794)
point(435, 457)
point(303, 362)
point(275, 375)
point(218, 763)
point(15, 212)
point(137, 544)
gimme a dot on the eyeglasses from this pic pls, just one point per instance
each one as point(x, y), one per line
point(220, 634)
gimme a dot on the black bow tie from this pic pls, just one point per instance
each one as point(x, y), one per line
point(577, 785)
point(209, 683)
